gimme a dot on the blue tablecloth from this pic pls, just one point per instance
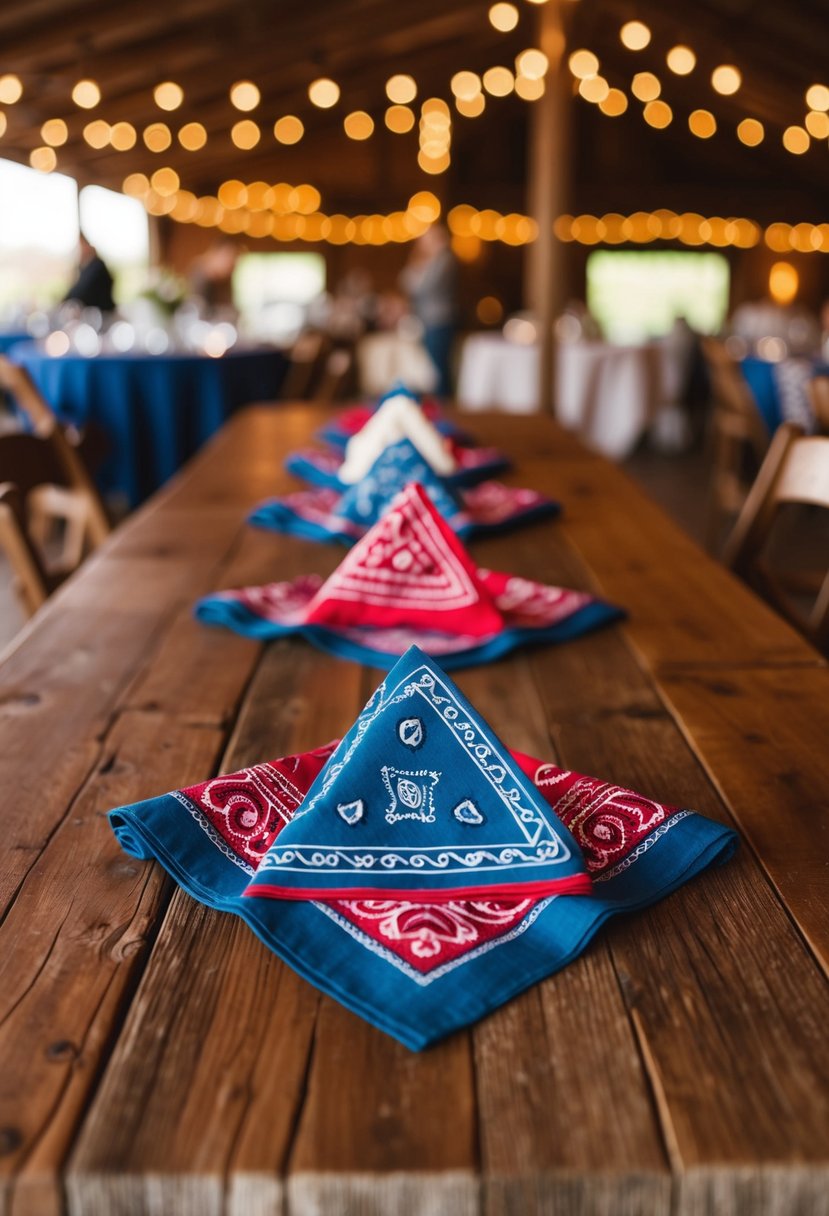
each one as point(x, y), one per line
point(10, 338)
point(156, 410)
point(779, 389)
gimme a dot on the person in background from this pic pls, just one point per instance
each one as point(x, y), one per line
point(211, 274)
point(430, 280)
point(93, 285)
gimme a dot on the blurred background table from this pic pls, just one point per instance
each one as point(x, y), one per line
point(610, 394)
point(155, 410)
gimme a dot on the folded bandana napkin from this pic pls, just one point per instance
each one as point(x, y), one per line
point(410, 580)
point(325, 515)
point(323, 468)
point(418, 871)
point(398, 418)
point(349, 421)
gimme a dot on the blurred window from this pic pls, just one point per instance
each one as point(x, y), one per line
point(636, 295)
point(119, 229)
point(38, 237)
point(273, 292)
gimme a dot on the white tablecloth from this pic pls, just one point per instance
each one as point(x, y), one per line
point(610, 394)
point(386, 357)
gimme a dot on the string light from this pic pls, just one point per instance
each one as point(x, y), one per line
point(43, 159)
point(503, 17)
point(86, 94)
point(358, 125)
point(97, 133)
point(165, 181)
point(681, 60)
point(796, 140)
point(583, 64)
point(532, 63)
point(645, 86)
point(399, 119)
point(245, 134)
point(123, 136)
point(817, 97)
point(726, 79)
point(324, 93)
point(817, 124)
point(529, 90)
point(614, 103)
point(594, 88)
point(498, 81)
point(750, 132)
point(401, 89)
point(465, 85)
point(54, 132)
point(157, 137)
point(783, 282)
point(635, 35)
point(288, 129)
point(11, 90)
point(244, 95)
point(702, 123)
point(168, 96)
point(472, 108)
point(192, 136)
point(658, 114)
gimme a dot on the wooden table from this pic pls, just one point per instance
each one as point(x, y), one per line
point(154, 1057)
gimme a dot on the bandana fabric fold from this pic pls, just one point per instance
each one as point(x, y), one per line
point(397, 418)
point(349, 421)
point(409, 580)
point(420, 968)
point(421, 800)
point(326, 516)
point(321, 468)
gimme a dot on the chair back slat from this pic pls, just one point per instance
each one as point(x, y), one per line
point(32, 583)
point(795, 472)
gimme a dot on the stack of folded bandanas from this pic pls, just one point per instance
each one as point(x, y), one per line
point(410, 580)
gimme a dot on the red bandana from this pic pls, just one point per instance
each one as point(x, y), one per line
point(410, 569)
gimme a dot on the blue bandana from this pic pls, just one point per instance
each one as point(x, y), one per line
point(421, 801)
point(321, 515)
point(420, 969)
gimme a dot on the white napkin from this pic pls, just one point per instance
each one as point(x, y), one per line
point(398, 418)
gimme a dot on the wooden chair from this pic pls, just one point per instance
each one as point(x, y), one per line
point(32, 581)
point(738, 439)
point(307, 359)
point(818, 390)
point(71, 496)
point(796, 470)
point(337, 372)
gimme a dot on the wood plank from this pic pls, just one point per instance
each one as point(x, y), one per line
point(538, 1121)
point(71, 945)
point(727, 1001)
point(215, 1011)
point(762, 738)
point(684, 608)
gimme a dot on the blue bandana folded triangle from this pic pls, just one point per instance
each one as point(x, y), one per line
point(420, 969)
point(421, 801)
point(397, 465)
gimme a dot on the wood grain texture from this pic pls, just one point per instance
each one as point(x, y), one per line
point(727, 1003)
point(71, 945)
point(684, 608)
point(762, 736)
point(209, 1071)
point(680, 1065)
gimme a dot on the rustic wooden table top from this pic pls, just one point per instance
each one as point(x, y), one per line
point(155, 1057)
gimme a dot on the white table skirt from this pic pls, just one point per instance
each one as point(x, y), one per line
point(610, 394)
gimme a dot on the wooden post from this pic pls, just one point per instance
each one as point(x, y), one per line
point(548, 189)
